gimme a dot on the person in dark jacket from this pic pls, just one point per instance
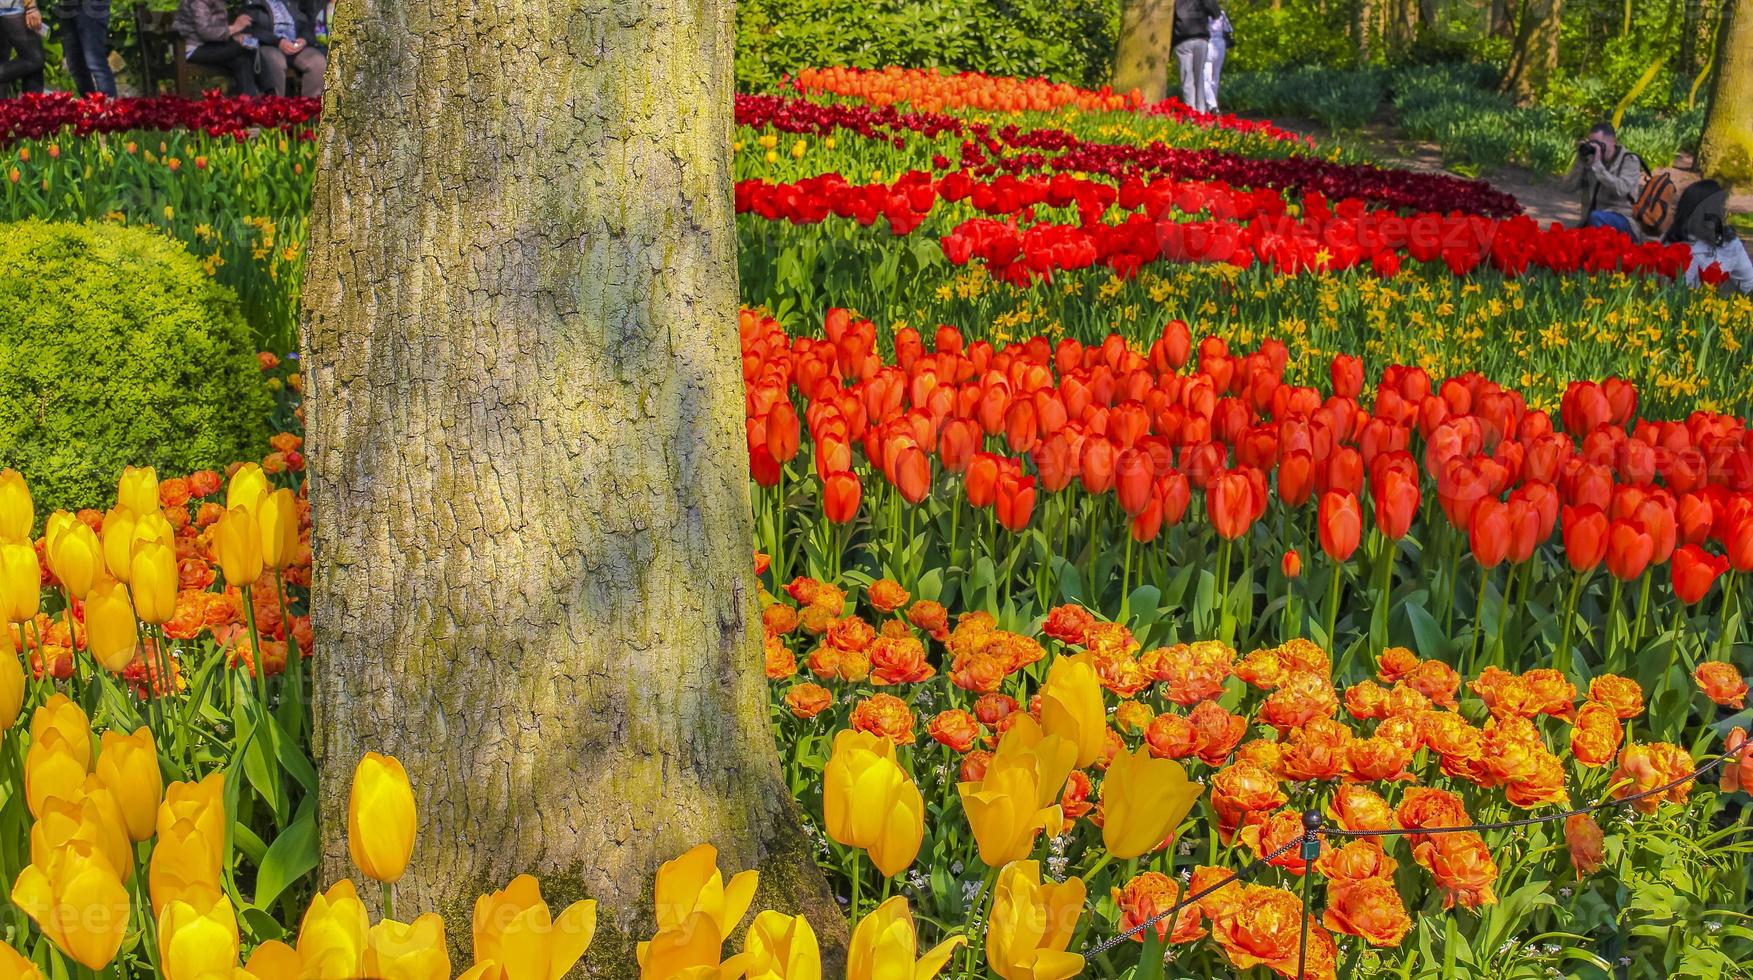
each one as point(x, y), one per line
point(1192, 35)
point(212, 37)
point(85, 41)
point(21, 47)
point(287, 40)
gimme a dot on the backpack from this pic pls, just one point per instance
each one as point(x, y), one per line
point(1655, 205)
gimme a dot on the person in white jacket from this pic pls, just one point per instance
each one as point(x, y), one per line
point(1700, 222)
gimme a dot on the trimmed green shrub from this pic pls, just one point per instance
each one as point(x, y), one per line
point(1064, 40)
point(116, 349)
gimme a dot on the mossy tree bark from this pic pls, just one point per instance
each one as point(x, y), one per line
point(1144, 53)
point(1726, 150)
point(1534, 56)
point(533, 545)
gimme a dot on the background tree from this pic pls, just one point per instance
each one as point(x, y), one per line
point(533, 560)
point(1534, 55)
point(1144, 54)
point(1726, 150)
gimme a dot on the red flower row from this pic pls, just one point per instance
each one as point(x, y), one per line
point(1037, 417)
point(39, 116)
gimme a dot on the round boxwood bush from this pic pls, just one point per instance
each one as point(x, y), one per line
point(117, 349)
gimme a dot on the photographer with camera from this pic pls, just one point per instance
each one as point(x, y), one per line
point(1609, 177)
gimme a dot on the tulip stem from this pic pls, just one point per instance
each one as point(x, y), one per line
point(1613, 626)
point(1731, 593)
point(294, 658)
point(857, 873)
point(258, 659)
point(73, 641)
point(975, 918)
point(389, 900)
point(1126, 580)
point(1333, 604)
point(1503, 611)
point(1562, 661)
point(1643, 604)
point(1475, 648)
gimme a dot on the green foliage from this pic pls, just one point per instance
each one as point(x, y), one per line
point(116, 348)
point(1297, 34)
point(1337, 98)
point(1064, 40)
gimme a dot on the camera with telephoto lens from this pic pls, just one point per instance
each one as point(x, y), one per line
point(1586, 149)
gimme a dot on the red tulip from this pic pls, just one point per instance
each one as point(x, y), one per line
point(782, 432)
point(1695, 514)
point(1344, 471)
point(982, 480)
point(1230, 502)
point(1339, 520)
point(1347, 374)
point(1296, 478)
point(1291, 564)
point(1394, 489)
point(1585, 536)
point(1177, 494)
point(957, 443)
point(1695, 571)
point(1099, 458)
point(1015, 501)
point(1489, 534)
point(1148, 522)
point(1629, 548)
point(1055, 462)
point(763, 467)
point(841, 493)
point(1739, 542)
point(913, 474)
point(1133, 475)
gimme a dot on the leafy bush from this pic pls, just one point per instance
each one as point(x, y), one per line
point(1298, 33)
point(116, 348)
point(1064, 40)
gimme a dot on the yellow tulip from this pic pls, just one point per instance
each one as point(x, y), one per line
point(247, 488)
point(331, 940)
point(21, 582)
point(238, 539)
point(52, 771)
point(1004, 815)
point(1050, 757)
point(85, 820)
point(74, 552)
point(782, 947)
point(411, 951)
point(137, 490)
point(128, 765)
point(62, 714)
point(15, 966)
point(11, 683)
point(692, 883)
point(885, 942)
point(1071, 706)
point(380, 817)
point(274, 960)
point(153, 578)
point(278, 519)
point(112, 635)
point(512, 930)
point(78, 901)
point(869, 801)
point(203, 803)
point(1143, 801)
point(153, 528)
point(691, 949)
point(1031, 924)
point(118, 542)
point(198, 939)
point(183, 864)
point(17, 514)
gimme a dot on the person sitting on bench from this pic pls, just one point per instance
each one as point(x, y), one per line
point(213, 38)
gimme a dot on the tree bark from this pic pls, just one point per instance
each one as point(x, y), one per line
point(533, 542)
point(1498, 22)
point(1144, 53)
point(1535, 54)
point(1726, 150)
point(1363, 29)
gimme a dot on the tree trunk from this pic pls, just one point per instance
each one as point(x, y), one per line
point(1726, 151)
point(1498, 21)
point(1402, 27)
point(1363, 29)
point(1144, 54)
point(533, 545)
point(1535, 54)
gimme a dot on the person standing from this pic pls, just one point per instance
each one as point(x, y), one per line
point(21, 46)
point(287, 40)
point(212, 37)
point(85, 40)
point(1609, 177)
point(1217, 47)
point(1191, 41)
